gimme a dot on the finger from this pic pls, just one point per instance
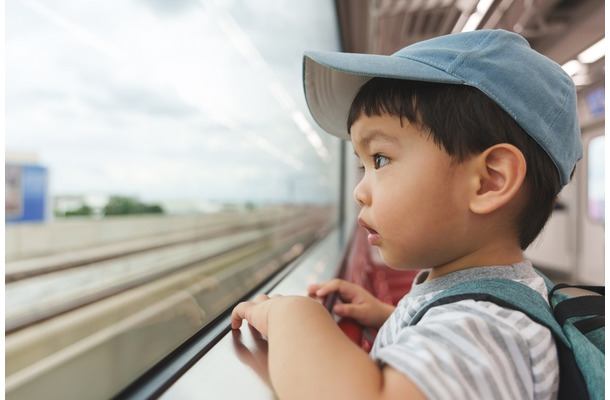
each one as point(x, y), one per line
point(311, 289)
point(259, 298)
point(349, 311)
point(347, 291)
point(324, 288)
point(239, 314)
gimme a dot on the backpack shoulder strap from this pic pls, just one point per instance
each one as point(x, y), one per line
point(518, 296)
point(503, 292)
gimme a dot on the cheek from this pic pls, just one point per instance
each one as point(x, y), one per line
point(418, 209)
point(416, 192)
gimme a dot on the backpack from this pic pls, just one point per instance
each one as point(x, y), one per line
point(577, 324)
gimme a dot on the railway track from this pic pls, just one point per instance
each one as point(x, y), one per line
point(30, 267)
point(63, 322)
point(47, 288)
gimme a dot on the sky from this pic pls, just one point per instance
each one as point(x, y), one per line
point(183, 99)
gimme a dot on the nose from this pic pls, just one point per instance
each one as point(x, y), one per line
point(362, 193)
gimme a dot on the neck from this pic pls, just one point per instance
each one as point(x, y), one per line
point(497, 253)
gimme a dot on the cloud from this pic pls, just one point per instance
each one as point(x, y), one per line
point(127, 98)
point(168, 9)
point(157, 99)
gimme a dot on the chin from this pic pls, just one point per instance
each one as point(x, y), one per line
point(392, 262)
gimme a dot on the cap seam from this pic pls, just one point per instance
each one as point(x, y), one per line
point(551, 127)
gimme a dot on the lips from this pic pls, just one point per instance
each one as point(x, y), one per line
point(365, 226)
point(373, 237)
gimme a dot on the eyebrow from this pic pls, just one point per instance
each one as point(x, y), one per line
point(376, 136)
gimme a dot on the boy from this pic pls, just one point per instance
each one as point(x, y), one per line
point(465, 141)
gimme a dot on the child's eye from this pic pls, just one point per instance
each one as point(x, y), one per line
point(380, 160)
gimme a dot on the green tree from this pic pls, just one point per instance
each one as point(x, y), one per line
point(82, 211)
point(119, 205)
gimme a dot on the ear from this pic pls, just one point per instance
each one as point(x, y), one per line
point(500, 171)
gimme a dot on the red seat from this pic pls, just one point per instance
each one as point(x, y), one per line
point(363, 265)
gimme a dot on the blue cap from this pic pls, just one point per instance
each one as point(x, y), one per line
point(531, 88)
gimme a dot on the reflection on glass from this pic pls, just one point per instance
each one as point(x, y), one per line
point(174, 167)
point(595, 179)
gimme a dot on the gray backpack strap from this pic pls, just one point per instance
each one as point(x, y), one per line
point(520, 297)
point(503, 292)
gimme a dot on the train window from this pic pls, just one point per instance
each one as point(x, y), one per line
point(160, 164)
point(596, 179)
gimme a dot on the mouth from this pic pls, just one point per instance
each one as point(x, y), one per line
point(365, 226)
point(373, 236)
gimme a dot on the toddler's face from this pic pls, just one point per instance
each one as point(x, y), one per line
point(413, 198)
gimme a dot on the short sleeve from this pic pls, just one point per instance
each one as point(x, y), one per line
point(473, 350)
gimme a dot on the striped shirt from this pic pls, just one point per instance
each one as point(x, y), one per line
point(471, 349)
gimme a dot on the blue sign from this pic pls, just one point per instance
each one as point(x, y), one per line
point(596, 102)
point(25, 196)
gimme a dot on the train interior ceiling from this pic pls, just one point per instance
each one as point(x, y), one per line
point(103, 303)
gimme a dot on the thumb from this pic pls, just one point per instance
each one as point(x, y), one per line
point(349, 310)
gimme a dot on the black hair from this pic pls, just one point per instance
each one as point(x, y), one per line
point(464, 122)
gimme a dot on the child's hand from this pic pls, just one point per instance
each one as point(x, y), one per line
point(255, 312)
point(358, 303)
point(258, 311)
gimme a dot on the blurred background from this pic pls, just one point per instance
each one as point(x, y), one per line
point(160, 163)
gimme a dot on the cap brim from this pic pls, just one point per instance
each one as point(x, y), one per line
point(332, 80)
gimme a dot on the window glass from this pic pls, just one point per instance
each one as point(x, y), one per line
point(160, 163)
point(596, 179)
